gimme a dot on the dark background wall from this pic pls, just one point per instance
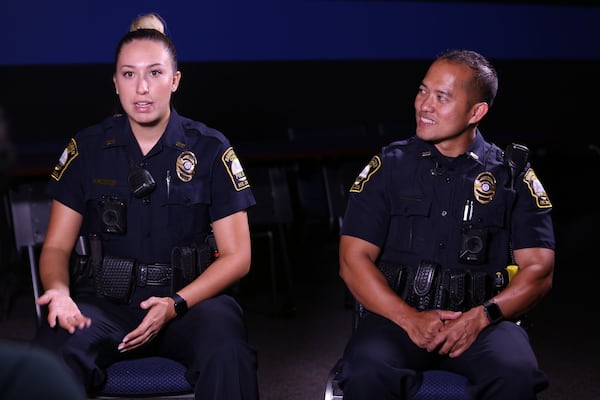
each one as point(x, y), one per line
point(256, 69)
point(75, 32)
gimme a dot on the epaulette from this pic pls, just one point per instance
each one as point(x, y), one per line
point(111, 121)
point(398, 145)
point(108, 125)
point(403, 142)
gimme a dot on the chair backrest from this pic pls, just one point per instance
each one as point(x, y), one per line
point(30, 210)
point(270, 219)
point(29, 213)
point(153, 377)
point(273, 200)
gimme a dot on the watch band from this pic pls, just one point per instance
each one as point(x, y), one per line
point(181, 306)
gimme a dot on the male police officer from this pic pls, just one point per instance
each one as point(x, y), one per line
point(431, 225)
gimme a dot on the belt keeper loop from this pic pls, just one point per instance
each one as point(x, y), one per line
point(142, 275)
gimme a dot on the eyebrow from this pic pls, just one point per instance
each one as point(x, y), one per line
point(444, 92)
point(438, 91)
point(147, 66)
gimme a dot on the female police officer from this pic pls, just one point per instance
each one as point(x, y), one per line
point(143, 184)
point(441, 213)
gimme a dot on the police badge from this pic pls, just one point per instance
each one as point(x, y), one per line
point(484, 187)
point(186, 166)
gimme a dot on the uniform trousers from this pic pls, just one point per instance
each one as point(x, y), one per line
point(210, 340)
point(381, 362)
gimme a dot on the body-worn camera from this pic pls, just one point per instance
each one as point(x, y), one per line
point(474, 245)
point(113, 214)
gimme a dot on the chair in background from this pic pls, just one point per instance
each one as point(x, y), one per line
point(315, 203)
point(339, 175)
point(320, 183)
point(270, 219)
point(28, 209)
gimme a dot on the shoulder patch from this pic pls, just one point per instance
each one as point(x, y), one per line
point(536, 189)
point(365, 174)
point(235, 170)
point(68, 155)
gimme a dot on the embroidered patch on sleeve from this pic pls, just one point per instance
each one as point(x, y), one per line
point(365, 174)
point(67, 156)
point(235, 170)
point(536, 189)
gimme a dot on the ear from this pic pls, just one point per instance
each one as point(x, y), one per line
point(478, 111)
point(115, 83)
point(176, 80)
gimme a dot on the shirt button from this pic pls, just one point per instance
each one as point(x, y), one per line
point(444, 213)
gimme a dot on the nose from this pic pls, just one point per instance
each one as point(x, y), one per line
point(142, 86)
point(424, 103)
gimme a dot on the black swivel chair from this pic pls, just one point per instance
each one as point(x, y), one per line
point(437, 384)
point(28, 209)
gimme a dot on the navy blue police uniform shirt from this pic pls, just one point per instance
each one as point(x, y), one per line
point(415, 204)
point(198, 180)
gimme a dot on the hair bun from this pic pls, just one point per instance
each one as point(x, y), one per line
point(149, 21)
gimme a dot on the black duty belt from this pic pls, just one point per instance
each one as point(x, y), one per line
point(429, 286)
point(116, 277)
point(153, 274)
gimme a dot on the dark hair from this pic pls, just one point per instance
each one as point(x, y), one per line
point(485, 79)
point(147, 34)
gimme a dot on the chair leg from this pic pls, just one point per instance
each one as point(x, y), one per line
point(273, 267)
point(332, 390)
point(289, 306)
point(35, 282)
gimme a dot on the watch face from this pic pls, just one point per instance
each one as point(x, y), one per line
point(180, 305)
point(493, 312)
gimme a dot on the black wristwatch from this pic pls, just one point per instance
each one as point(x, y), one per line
point(181, 306)
point(492, 312)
